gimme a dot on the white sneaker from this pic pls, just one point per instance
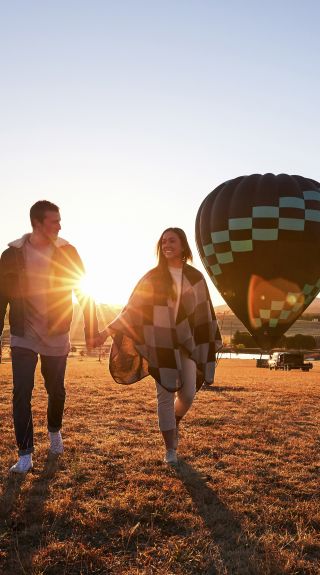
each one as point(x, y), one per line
point(171, 457)
point(23, 465)
point(56, 443)
point(176, 438)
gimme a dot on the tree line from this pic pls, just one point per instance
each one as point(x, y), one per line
point(297, 341)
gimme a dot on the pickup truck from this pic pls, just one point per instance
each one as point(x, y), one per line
point(289, 360)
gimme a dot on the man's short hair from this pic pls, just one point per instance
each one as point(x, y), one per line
point(39, 209)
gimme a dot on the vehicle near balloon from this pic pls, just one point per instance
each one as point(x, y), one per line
point(288, 360)
point(258, 237)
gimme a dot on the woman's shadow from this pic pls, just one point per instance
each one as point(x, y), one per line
point(232, 551)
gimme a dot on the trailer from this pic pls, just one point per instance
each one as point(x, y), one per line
point(289, 360)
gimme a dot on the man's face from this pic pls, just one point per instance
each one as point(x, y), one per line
point(50, 226)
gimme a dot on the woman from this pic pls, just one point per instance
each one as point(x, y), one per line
point(168, 330)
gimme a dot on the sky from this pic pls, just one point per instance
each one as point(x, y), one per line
point(126, 114)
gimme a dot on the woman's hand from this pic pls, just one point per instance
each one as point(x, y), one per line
point(99, 339)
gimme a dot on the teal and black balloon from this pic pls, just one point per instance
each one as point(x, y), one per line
point(259, 239)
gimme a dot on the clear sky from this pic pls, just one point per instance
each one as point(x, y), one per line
point(128, 113)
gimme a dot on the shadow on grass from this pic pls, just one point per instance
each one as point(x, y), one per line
point(233, 552)
point(222, 389)
point(20, 511)
point(10, 493)
point(36, 497)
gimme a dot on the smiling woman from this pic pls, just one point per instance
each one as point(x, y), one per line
point(168, 330)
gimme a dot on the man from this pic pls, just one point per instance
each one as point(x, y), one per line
point(38, 274)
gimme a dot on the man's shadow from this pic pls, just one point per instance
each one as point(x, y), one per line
point(13, 486)
point(233, 551)
point(15, 510)
point(10, 494)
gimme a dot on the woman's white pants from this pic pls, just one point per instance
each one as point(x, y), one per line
point(177, 404)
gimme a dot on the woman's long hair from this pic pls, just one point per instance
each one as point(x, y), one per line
point(163, 264)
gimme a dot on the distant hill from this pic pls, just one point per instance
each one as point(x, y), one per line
point(223, 309)
point(313, 309)
point(229, 323)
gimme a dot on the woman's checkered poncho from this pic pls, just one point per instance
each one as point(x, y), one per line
point(147, 338)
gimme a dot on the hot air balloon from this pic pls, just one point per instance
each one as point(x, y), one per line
point(259, 239)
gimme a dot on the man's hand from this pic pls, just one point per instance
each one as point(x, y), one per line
point(98, 340)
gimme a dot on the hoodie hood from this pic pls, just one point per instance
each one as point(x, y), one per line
point(59, 242)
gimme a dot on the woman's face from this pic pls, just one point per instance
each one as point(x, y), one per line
point(171, 247)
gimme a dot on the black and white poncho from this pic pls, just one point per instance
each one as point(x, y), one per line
point(147, 338)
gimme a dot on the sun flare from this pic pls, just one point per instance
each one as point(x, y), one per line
point(87, 286)
point(102, 290)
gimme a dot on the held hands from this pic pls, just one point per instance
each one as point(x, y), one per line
point(98, 340)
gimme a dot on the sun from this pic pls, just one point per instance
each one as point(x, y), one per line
point(99, 287)
point(87, 286)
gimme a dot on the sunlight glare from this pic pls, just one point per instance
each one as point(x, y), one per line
point(87, 286)
point(98, 286)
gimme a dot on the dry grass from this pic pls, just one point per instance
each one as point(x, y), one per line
point(244, 500)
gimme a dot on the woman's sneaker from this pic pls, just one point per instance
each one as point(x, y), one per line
point(23, 465)
point(56, 443)
point(171, 457)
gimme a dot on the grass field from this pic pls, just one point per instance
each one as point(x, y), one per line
point(244, 499)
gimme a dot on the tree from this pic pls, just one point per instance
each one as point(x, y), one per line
point(300, 341)
point(243, 338)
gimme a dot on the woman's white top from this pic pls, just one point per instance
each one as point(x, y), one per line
point(176, 274)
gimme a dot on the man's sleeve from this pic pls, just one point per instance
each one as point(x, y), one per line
point(87, 304)
point(3, 296)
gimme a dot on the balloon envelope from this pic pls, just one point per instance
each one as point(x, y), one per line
point(259, 239)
